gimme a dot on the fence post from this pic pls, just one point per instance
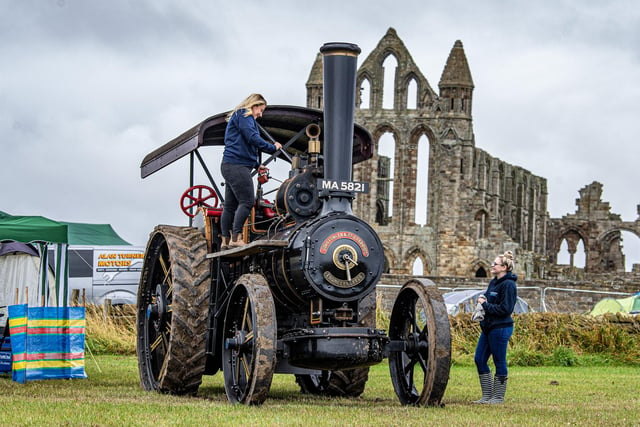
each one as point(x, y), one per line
point(75, 294)
point(106, 309)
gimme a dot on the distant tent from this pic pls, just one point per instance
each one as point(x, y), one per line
point(32, 229)
point(17, 248)
point(622, 305)
point(40, 229)
point(93, 234)
point(57, 235)
point(20, 268)
point(28, 229)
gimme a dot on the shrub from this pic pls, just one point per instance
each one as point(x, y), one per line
point(524, 357)
point(564, 356)
point(113, 332)
point(557, 339)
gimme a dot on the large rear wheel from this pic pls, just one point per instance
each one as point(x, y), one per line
point(173, 301)
point(249, 341)
point(420, 372)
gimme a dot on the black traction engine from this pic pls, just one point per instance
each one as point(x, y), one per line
point(299, 297)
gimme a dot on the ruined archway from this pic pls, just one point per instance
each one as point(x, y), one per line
point(613, 257)
point(573, 237)
point(390, 259)
point(480, 268)
point(631, 250)
point(389, 66)
point(413, 255)
point(386, 138)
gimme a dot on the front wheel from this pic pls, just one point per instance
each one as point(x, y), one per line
point(420, 371)
point(249, 341)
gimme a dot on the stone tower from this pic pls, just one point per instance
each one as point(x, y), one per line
point(476, 206)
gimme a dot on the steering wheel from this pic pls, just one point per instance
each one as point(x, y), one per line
point(198, 196)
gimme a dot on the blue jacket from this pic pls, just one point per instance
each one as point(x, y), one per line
point(501, 299)
point(242, 141)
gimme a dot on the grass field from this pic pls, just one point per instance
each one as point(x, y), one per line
point(536, 396)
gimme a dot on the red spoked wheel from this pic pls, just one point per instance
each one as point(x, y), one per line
point(197, 196)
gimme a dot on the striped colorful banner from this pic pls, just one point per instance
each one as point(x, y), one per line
point(47, 342)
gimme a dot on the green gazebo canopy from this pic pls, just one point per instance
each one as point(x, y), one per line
point(40, 229)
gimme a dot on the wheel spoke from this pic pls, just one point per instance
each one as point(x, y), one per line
point(167, 274)
point(169, 290)
point(236, 367)
point(245, 366)
point(244, 313)
point(195, 203)
point(408, 373)
point(156, 343)
point(422, 362)
point(414, 323)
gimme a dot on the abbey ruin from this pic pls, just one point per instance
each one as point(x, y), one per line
point(448, 207)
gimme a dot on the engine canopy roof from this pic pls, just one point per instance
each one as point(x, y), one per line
point(282, 122)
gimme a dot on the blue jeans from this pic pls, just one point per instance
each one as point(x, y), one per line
point(238, 197)
point(493, 344)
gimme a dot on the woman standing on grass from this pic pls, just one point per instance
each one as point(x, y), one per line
point(497, 327)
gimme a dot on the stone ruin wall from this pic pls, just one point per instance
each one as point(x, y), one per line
point(477, 205)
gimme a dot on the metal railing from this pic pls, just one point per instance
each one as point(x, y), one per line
point(542, 292)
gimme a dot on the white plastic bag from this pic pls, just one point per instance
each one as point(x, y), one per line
point(478, 313)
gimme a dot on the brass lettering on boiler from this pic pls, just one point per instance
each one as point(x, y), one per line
point(340, 283)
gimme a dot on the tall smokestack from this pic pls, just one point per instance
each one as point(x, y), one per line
point(339, 75)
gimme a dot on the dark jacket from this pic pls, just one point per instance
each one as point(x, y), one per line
point(501, 299)
point(242, 141)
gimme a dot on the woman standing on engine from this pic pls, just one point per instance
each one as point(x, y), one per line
point(242, 143)
point(497, 327)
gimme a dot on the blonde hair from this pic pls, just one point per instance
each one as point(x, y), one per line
point(508, 260)
point(253, 100)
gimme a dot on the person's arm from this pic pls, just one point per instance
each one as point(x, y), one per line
point(249, 131)
point(506, 302)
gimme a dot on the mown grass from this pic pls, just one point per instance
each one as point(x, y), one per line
point(536, 396)
point(586, 373)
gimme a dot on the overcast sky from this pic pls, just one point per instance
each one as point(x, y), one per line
point(88, 88)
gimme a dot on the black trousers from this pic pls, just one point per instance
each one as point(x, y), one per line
point(239, 197)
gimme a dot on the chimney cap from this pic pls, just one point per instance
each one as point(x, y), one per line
point(337, 48)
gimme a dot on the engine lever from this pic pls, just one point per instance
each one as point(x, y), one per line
point(346, 258)
point(346, 264)
point(286, 145)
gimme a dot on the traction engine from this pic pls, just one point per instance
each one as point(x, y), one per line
point(299, 297)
